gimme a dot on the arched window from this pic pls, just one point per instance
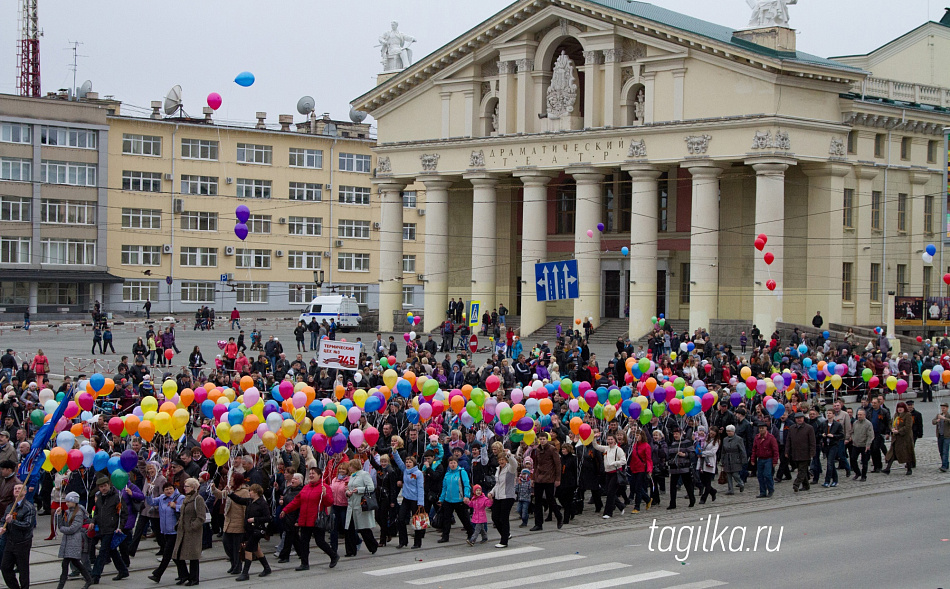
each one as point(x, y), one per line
point(634, 105)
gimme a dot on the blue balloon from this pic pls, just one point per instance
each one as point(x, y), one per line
point(347, 403)
point(310, 435)
point(235, 416)
point(345, 431)
point(412, 415)
point(101, 460)
point(112, 464)
point(625, 251)
point(690, 346)
point(932, 250)
point(626, 392)
point(244, 79)
point(372, 404)
point(779, 411)
point(602, 394)
point(207, 408)
point(662, 316)
point(825, 334)
point(404, 389)
point(315, 408)
point(802, 348)
point(97, 381)
point(275, 394)
point(806, 362)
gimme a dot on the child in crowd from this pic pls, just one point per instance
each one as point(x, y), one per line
point(524, 487)
point(479, 503)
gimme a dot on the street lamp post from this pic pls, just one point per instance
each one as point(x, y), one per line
point(318, 280)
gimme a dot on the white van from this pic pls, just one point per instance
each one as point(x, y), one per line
point(344, 310)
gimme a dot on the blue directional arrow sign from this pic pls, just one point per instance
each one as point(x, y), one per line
point(556, 281)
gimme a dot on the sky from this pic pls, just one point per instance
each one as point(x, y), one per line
point(137, 50)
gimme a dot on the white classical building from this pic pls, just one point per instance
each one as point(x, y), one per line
point(686, 140)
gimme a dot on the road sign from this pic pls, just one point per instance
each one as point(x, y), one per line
point(474, 313)
point(168, 280)
point(224, 278)
point(473, 343)
point(555, 281)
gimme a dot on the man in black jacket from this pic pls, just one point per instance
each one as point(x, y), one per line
point(109, 511)
point(20, 519)
point(745, 431)
point(918, 427)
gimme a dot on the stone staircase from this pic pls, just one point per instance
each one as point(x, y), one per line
point(548, 330)
point(676, 325)
point(609, 331)
point(838, 331)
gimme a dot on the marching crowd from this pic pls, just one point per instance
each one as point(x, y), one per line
point(441, 474)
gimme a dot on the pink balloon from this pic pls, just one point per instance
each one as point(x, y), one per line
point(72, 410)
point(286, 388)
point(63, 423)
point(353, 415)
point(425, 410)
point(252, 396)
point(300, 399)
point(517, 396)
point(85, 401)
point(219, 410)
point(901, 386)
point(319, 442)
point(356, 438)
point(214, 101)
point(262, 429)
point(200, 395)
point(406, 337)
point(590, 233)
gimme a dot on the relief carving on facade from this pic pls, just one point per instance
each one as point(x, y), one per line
point(477, 159)
point(640, 107)
point(430, 161)
point(633, 50)
point(562, 94)
point(837, 147)
point(697, 144)
point(781, 141)
point(383, 166)
point(638, 149)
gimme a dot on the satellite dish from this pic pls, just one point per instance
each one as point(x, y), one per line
point(357, 116)
point(84, 89)
point(306, 105)
point(173, 100)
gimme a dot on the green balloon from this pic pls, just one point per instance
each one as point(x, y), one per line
point(120, 478)
point(473, 409)
point(645, 416)
point(866, 374)
point(330, 426)
point(688, 404)
point(516, 436)
point(614, 397)
point(431, 387)
point(478, 397)
point(566, 385)
point(644, 365)
point(384, 362)
point(659, 409)
point(506, 415)
point(36, 416)
point(679, 383)
point(599, 411)
point(60, 397)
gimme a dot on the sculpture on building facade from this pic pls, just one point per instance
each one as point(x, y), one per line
point(769, 13)
point(430, 161)
point(562, 94)
point(383, 166)
point(640, 106)
point(637, 150)
point(394, 49)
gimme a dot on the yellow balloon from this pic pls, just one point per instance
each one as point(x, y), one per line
point(229, 393)
point(238, 434)
point(415, 403)
point(610, 412)
point(318, 424)
point(177, 433)
point(149, 404)
point(163, 423)
point(299, 386)
point(689, 391)
point(269, 439)
point(222, 400)
point(341, 413)
point(359, 398)
point(529, 437)
point(836, 381)
point(149, 416)
point(258, 410)
point(306, 425)
point(672, 355)
point(588, 440)
point(584, 406)
point(389, 378)
point(169, 388)
point(180, 418)
point(926, 377)
point(47, 465)
point(221, 456)
point(288, 428)
point(299, 414)
point(715, 397)
point(745, 372)
point(642, 401)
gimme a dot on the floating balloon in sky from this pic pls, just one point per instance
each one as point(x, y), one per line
point(590, 233)
point(769, 258)
point(625, 251)
point(770, 284)
point(242, 213)
point(240, 230)
point(214, 101)
point(244, 79)
point(600, 227)
point(932, 249)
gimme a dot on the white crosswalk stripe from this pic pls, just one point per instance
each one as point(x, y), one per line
point(624, 581)
point(556, 576)
point(506, 568)
point(697, 585)
point(456, 560)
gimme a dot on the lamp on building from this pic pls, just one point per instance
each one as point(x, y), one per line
point(318, 280)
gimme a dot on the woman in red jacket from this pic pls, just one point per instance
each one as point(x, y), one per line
point(313, 500)
point(641, 466)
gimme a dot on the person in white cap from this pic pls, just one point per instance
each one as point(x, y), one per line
point(69, 521)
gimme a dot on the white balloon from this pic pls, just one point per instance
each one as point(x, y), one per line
point(412, 335)
point(928, 259)
point(65, 440)
point(46, 395)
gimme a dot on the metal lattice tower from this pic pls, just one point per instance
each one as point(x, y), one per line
point(28, 50)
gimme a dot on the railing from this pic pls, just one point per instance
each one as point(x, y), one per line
point(903, 91)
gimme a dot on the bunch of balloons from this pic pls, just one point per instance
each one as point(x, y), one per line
point(413, 319)
point(929, 254)
point(240, 228)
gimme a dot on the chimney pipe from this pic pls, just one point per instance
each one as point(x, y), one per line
point(208, 111)
point(285, 122)
point(156, 109)
point(260, 120)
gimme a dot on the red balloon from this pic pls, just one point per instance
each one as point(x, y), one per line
point(584, 431)
point(759, 244)
point(708, 368)
point(116, 425)
point(73, 459)
point(946, 279)
point(169, 354)
point(491, 383)
point(675, 405)
point(919, 339)
point(873, 382)
point(763, 237)
point(208, 446)
point(769, 258)
point(770, 284)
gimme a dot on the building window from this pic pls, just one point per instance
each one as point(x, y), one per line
point(199, 185)
point(902, 280)
point(199, 257)
point(409, 198)
point(352, 162)
point(408, 296)
point(301, 293)
point(929, 215)
point(14, 293)
point(142, 181)
point(199, 149)
point(141, 219)
point(248, 292)
point(663, 215)
point(684, 284)
point(352, 229)
point(305, 226)
point(259, 224)
point(16, 169)
point(847, 210)
point(352, 262)
point(141, 145)
point(928, 280)
point(198, 292)
point(141, 255)
point(354, 195)
point(65, 137)
point(902, 212)
point(359, 293)
point(566, 203)
point(876, 209)
point(905, 148)
point(249, 153)
point(66, 212)
point(68, 252)
point(875, 283)
point(15, 250)
point(16, 133)
point(409, 264)
point(252, 259)
point(139, 291)
point(880, 144)
point(306, 191)
point(852, 142)
point(300, 260)
point(625, 191)
point(69, 173)
point(610, 202)
point(846, 268)
point(249, 188)
point(933, 148)
point(15, 208)
point(408, 231)
point(306, 158)
point(199, 221)
point(57, 293)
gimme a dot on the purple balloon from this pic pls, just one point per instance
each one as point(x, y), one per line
point(337, 443)
point(501, 429)
point(240, 230)
point(600, 227)
point(243, 213)
point(735, 399)
point(659, 394)
point(635, 410)
point(525, 424)
point(128, 460)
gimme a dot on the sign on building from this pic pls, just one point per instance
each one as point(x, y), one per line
point(555, 281)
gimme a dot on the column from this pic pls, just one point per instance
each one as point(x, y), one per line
point(704, 246)
point(612, 86)
point(592, 89)
point(506, 83)
point(484, 257)
point(534, 247)
point(390, 253)
point(644, 209)
point(34, 296)
point(825, 200)
point(917, 239)
point(589, 212)
point(864, 314)
point(679, 93)
point(437, 251)
point(446, 113)
point(767, 306)
point(525, 124)
point(649, 84)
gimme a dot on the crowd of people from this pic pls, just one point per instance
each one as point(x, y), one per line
point(441, 474)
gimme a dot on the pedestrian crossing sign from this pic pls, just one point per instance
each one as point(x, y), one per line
point(474, 313)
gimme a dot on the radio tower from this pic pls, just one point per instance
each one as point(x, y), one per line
point(28, 50)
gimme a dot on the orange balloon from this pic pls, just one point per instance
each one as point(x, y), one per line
point(214, 395)
point(57, 457)
point(90, 390)
point(281, 439)
point(132, 423)
point(47, 417)
point(821, 365)
point(630, 363)
point(577, 321)
point(76, 429)
point(168, 407)
point(251, 422)
point(209, 386)
point(288, 405)
point(107, 388)
point(246, 382)
point(520, 412)
point(546, 405)
point(385, 391)
point(467, 391)
point(411, 377)
point(187, 397)
point(147, 430)
point(311, 394)
point(651, 384)
point(457, 403)
point(576, 425)
point(339, 392)
point(945, 376)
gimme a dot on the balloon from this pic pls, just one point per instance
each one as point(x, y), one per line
point(759, 244)
point(371, 435)
point(590, 233)
point(120, 478)
point(269, 439)
point(492, 383)
point(221, 456)
point(128, 460)
point(244, 79)
point(330, 426)
point(243, 214)
point(146, 430)
point(96, 381)
point(600, 227)
point(891, 382)
point(100, 460)
point(770, 284)
point(928, 259)
point(169, 354)
point(240, 229)
point(932, 249)
point(769, 258)
point(356, 438)
point(625, 251)
point(214, 101)
point(946, 279)
point(74, 459)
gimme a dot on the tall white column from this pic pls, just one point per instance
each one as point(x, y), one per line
point(704, 246)
point(644, 209)
point(526, 117)
point(612, 85)
point(390, 252)
point(592, 88)
point(589, 213)
point(534, 247)
point(825, 201)
point(506, 86)
point(437, 251)
point(484, 239)
point(768, 306)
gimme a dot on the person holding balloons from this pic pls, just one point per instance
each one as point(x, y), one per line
point(107, 520)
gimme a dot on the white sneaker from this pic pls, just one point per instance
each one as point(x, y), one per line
point(622, 510)
point(606, 517)
point(501, 546)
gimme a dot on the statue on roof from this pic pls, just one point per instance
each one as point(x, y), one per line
point(394, 49)
point(769, 13)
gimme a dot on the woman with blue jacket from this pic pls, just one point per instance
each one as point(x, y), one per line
point(456, 491)
point(413, 498)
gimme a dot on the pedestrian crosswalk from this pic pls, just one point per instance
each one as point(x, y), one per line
point(475, 571)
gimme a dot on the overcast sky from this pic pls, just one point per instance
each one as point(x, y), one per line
point(137, 50)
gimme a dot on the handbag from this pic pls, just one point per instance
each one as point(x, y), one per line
point(438, 520)
point(324, 521)
point(420, 521)
point(722, 477)
point(368, 502)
